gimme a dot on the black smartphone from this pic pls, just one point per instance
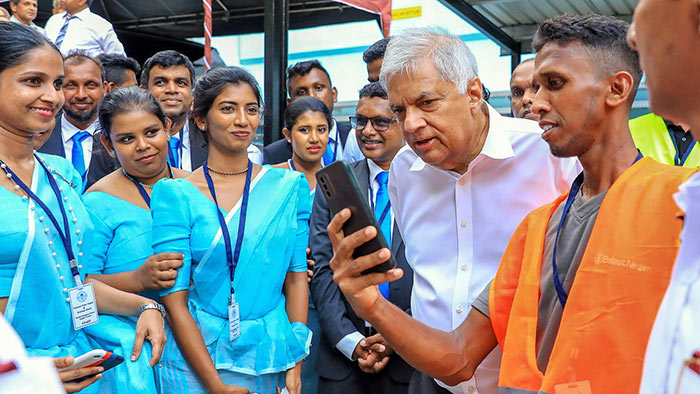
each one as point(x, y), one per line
point(339, 185)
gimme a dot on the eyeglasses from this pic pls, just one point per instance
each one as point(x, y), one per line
point(379, 123)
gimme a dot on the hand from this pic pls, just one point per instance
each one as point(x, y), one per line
point(309, 264)
point(223, 388)
point(360, 290)
point(374, 363)
point(377, 344)
point(360, 352)
point(159, 271)
point(150, 326)
point(292, 379)
point(65, 376)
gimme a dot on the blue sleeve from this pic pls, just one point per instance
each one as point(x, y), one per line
point(101, 237)
point(302, 235)
point(172, 228)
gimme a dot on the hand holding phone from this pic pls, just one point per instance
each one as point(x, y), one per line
point(94, 358)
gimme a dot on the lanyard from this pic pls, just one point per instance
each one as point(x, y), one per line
point(575, 187)
point(677, 159)
point(231, 257)
point(63, 233)
point(385, 212)
point(140, 187)
point(291, 164)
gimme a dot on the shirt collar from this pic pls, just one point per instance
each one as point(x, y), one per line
point(31, 24)
point(68, 130)
point(333, 134)
point(497, 145)
point(374, 170)
point(80, 15)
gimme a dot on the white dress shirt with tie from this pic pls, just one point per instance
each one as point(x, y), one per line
point(456, 226)
point(68, 130)
point(676, 333)
point(86, 31)
point(349, 342)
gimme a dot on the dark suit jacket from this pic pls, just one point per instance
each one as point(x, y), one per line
point(281, 150)
point(334, 312)
point(199, 148)
point(101, 163)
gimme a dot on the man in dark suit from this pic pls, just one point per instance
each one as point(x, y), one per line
point(75, 134)
point(169, 76)
point(310, 78)
point(352, 357)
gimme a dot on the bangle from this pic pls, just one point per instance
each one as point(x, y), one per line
point(154, 305)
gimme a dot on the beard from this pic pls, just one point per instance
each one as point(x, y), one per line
point(82, 116)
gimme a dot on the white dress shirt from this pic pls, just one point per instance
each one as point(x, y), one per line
point(456, 227)
point(89, 32)
point(185, 155)
point(31, 24)
point(68, 130)
point(349, 342)
point(676, 333)
point(255, 154)
point(33, 375)
point(352, 150)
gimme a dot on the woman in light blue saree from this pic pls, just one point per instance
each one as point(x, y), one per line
point(135, 131)
point(239, 305)
point(44, 228)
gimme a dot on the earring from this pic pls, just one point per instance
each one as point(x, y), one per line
point(113, 152)
point(204, 128)
point(290, 141)
point(169, 137)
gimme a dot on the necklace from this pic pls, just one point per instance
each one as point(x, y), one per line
point(132, 179)
point(228, 172)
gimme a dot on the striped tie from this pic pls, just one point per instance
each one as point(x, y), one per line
point(64, 29)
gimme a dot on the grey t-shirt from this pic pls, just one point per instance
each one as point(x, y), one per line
point(573, 239)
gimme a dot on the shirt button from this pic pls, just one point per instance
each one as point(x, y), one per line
point(464, 223)
point(65, 290)
point(459, 309)
point(471, 389)
point(683, 139)
point(464, 267)
point(67, 299)
point(60, 277)
point(462, 181)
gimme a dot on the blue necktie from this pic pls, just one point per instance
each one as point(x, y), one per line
point(78, 158)
point(381, 204)
point(62, 33)
point(328, 155)
point(174, 156)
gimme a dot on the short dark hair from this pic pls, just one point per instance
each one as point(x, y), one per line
point(80, 56)
point(125, 100)
point(373, 89)
point(305, 67)
point(17, 41)
point(14, 1)
point(116, 66)
point(605, 37)
point(165, 59)
point(375, 51)
point(214, 81)
point(302, 105)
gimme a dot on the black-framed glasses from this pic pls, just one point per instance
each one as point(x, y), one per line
point(379, 123)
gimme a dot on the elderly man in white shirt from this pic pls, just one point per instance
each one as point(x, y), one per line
point(667, 35)
point(468, 180)
point(78, 28)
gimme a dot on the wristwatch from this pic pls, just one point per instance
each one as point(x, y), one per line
point(153, 306)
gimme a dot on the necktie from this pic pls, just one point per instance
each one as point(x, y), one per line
point(174, 153)
point(328, 155)
point(62, 32)
point(381, 206)
point(78, 158)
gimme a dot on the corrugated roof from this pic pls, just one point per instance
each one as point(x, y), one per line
point(519, 18)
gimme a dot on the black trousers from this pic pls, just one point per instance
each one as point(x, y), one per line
point(424, 384)
point(359, 382)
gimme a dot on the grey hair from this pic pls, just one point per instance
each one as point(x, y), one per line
point(410, 49)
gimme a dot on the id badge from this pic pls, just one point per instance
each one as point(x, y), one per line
point(234, 319)
point(83, 306)
point(582, 387)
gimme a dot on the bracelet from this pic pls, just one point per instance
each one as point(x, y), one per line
point(154, 305)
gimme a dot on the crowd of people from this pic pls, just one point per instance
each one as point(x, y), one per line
point(552, 251)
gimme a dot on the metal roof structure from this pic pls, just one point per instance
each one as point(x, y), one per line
point(512, 23)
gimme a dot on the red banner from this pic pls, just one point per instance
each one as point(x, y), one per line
point(380, 7)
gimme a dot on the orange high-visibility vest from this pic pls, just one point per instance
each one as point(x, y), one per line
point(615, 295)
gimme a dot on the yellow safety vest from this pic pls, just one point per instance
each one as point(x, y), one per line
point(653, 139)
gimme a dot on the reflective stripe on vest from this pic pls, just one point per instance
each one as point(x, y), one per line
point(613, 301)
point(652, 138)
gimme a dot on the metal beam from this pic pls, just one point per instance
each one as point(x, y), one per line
point(276, 24)
point(483, 24)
